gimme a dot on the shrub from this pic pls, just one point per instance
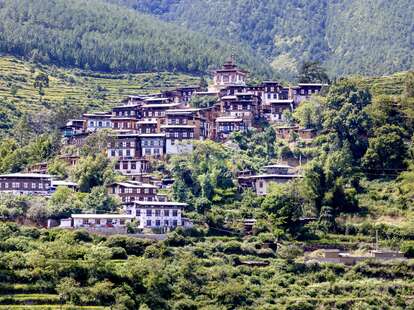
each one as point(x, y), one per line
point(119, 253)
point(407, 248)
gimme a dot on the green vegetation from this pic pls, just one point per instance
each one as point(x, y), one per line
point(349, 37)
point(96, 36)
point(69, 93)
point(189, 270)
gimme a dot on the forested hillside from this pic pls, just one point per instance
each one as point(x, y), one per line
point(103, 37)
point(349, 36)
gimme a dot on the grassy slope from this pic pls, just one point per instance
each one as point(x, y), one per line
point(78, 87)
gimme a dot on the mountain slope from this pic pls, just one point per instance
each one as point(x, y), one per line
point(349, 36)
point(98, 36)
point(69, 93)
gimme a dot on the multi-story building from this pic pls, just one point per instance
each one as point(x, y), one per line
point(272, 174)
point(303, 91)
point(152, 145)
point(241, 105)
point(228, 75)
point(185, 93)
point(132, 191)
point(227, 125)
point(147, 126)
point(31, 184)
point(98, 120)
point(125, 117)
point(277, 107)
point(73, 127)
point(156, 214)
point(124, 146)
point(132, 166)
point(154, 108)
point(26, 183)
point(183, 126)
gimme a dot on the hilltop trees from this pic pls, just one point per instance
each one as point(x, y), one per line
point(312, 72)
point(97, 36)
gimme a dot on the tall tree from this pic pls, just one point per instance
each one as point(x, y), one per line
point(312, 72)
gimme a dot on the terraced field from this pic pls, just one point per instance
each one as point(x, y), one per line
point(33, 296)
point(93, 89)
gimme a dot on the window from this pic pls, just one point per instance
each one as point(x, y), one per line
point(166, 212)
point(149, 212)
point(174, 213)
point(146, 190)
point(128, 153)
point(149, 223)
point(157, 223)
point(122, 222)
point(138, 212)
point(176, 134)
point(113, 153)
point(261, 184)
point(184, 135)
point(174, 223)
point(33, 185)
point(166, 223)
point(302, 91)
point(157, 212)
point(191, 135)
point(99, 124)
point(239, 107)
point(40, 185)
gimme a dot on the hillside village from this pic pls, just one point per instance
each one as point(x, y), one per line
point(153, 127)
point(206, 155)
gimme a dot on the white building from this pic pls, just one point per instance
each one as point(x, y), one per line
point(152, 145)
point(98, 120)
point(98, 220)
point(156, 214)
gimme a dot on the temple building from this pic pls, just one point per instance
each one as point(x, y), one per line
point(228, 75)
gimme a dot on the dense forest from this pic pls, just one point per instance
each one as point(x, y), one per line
point(349, 36)
point(103, 37)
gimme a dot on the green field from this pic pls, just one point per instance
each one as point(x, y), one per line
point(95, 90)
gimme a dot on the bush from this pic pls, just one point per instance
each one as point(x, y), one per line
point(407, 247)
point(132, 246)
point(290, 251)
point(119, 253)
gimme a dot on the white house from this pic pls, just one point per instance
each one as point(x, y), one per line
point(98, 220)
point(156, 214)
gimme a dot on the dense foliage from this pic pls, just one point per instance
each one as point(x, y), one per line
point(103, 37)
point(370, 37)
point(186, 271)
